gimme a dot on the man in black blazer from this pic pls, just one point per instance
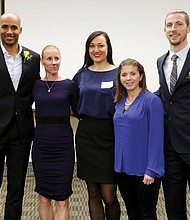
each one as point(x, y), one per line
point(19, 68)
point(177, 114)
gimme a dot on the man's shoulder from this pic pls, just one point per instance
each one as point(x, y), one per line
point(31, 51)
point(163, 55)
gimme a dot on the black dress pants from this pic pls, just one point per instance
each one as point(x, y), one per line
point(17, 155)
point(177, 173)
point(140, 199)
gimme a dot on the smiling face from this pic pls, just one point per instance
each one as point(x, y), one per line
point(176, 29)
point(51, 60)
point(10, 29)
point(130, 78)
point(98, 49)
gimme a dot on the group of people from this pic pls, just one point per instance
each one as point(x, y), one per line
point(127, 136)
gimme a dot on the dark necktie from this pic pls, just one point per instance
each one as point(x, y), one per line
point(173, 77)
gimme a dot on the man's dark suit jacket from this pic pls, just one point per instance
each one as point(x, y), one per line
point(18, 105)
point(176, 106)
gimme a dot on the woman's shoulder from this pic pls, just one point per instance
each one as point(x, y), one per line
point(79, 73)
point(69, 83)
point(151, 97)
point(39, 81)
point(150, 94)
point(81, 70)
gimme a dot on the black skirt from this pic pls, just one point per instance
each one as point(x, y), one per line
point(95, 150)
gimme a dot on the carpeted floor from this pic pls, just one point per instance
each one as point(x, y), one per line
point(78, 201)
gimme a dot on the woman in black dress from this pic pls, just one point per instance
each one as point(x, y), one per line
point(53, 148)
point(95, 133)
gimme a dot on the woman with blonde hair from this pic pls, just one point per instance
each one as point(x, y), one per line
point(53, 148)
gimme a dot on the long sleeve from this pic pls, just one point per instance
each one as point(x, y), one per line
point(139, 136)
point(155, 161)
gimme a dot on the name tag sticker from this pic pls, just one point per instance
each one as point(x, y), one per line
point(106, 85)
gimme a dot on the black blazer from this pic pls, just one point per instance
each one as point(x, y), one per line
point(18, 105)
point(176, 106)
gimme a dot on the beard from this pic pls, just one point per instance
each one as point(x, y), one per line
point(178, 41)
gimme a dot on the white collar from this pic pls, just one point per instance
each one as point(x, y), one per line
point(181, 54)
point(6, 52)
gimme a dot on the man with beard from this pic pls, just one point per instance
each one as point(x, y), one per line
point(19, 68)
point(174, 79)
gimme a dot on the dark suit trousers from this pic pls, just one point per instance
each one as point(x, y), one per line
point(177, 172)
point(17, 155)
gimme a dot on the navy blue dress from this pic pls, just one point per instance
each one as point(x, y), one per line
point(53, 148)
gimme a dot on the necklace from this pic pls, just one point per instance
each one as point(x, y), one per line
point(50, 87)
point(127, 104)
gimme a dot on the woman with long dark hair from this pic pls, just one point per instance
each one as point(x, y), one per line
point(95, 133)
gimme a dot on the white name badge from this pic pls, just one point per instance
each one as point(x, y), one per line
point(106, 85)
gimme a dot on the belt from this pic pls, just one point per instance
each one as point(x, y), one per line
point(52, 120)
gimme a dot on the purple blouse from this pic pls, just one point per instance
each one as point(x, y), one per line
point(139, 136)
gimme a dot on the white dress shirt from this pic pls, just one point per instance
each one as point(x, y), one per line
point(14, 66)
point(182, 54)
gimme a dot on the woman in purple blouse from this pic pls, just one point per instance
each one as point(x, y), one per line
point(139, 136)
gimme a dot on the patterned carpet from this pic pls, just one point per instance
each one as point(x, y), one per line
point(78, 201)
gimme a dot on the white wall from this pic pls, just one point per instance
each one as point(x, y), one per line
point(135, 28)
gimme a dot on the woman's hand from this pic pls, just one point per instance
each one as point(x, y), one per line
point(148, 180)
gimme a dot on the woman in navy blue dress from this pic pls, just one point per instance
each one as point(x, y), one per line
point(95, 133)
point(53, 148)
